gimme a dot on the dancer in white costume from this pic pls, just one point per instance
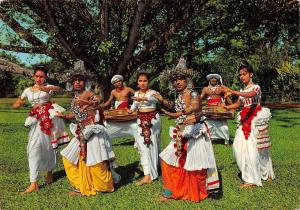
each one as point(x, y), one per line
point(147, 138)
point(46, 129)
point(218, 128)
point(252, 143)
point(188, 163)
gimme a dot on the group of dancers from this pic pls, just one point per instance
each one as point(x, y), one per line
point(188, 165)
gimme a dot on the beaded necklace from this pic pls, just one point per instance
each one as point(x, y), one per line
point(35, 100)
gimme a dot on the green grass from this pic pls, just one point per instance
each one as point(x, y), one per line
point(282, 193)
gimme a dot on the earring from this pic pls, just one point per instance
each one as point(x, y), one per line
point(69, 87)
point(250, 80)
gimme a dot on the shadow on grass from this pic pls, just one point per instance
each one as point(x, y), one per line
point(126, 142)
point(127, 172)
point(57, 175)
point(222, 141)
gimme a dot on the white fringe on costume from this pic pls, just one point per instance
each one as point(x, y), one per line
point(200, 153)
point(218, 129)
point(121, 129)
point(149, 155)
point(99, 147)
point(252, 155)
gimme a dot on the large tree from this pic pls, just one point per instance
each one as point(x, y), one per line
point(121, 36)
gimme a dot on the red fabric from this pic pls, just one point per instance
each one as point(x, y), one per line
point(59, 138)
point(146, 125)
point(212, 101)
point(42, 113)
point(185, 185)
point(247, 115)
point(123, 105)
point(79, 130)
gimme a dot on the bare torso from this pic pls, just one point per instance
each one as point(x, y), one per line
point(122, 95)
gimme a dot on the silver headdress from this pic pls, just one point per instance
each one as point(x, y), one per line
point(180, 71)
point(217, 76)
point(79, 70)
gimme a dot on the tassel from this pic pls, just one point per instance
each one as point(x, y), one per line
point(97, 116)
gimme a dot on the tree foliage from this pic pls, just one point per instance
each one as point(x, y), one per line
point(122, 36)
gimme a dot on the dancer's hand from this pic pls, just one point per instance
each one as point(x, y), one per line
point(81, 102)
point(44, 88)
point(158, 97)
point(172, 114)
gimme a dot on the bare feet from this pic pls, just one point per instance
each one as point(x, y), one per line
point(269, 179)
point(145, 180)
point(32, 188)
point(74, 193)
point(49, 178)
point(163, 199)
point(247, 185)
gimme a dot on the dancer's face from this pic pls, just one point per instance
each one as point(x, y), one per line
point(245, 76)
point(143, 82)
point(78, 84)
point(213, 81)
point(118, 84)
point(39, 77)
point(180, 84)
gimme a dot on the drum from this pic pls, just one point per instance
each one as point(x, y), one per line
point(119, 115)
point(217, 112)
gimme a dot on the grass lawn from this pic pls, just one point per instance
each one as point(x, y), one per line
point(282, 193)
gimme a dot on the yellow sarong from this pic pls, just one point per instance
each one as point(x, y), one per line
point(89, 179)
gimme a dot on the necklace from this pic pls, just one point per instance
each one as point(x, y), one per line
point(35, 100)
point(140, 104)
point(120, 89)
point(143, 93)
point(249, 85)
point(213, 89)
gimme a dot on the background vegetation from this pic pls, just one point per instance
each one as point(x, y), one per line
point(123, 36)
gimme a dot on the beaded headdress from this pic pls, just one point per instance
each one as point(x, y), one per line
point(181, 71)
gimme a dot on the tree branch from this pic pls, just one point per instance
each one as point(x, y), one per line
point(33, 49)
point(22, 32)
point(53, 24)
point(132, 37)
point(104, 19)
point(14, 68)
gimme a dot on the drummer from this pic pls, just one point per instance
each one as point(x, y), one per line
point(215, 97)
point(121, 93)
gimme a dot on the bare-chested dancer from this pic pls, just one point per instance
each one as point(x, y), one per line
point(121, 93)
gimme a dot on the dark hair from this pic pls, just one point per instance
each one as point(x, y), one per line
point(142, 72)
point(178, 75)
point(79, 77)
point(246, 65)
point(39, 67)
